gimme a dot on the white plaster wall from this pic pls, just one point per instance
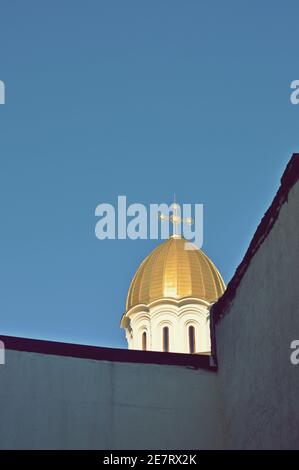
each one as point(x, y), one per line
point(259, 385)
point(70, 403)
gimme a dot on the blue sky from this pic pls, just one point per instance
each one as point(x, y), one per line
point(135, 98)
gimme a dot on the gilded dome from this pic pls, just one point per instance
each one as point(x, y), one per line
point(175, 269)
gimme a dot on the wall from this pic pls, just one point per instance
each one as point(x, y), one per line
point(259, 385)
point(52, 401)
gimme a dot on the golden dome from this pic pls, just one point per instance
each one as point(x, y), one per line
point(172, 271)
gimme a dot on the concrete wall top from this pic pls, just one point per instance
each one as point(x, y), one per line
point(197, 361)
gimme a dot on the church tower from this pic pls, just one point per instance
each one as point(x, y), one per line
point(169, 298)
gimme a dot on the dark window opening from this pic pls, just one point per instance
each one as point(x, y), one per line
point(166, 339)
point(144, 341)
point(191, 331)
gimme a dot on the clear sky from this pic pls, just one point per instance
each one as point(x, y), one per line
point(137, 98)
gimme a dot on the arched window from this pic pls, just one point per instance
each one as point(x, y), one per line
point(166, 339)
point(144, 341)
point(191, 335)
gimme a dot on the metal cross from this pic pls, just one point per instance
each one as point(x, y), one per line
point(176, 218)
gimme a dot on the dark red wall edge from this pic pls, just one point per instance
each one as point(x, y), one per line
point(105, 354)
point(288, 180)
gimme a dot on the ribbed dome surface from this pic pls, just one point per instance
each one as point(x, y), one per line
point(172, 271)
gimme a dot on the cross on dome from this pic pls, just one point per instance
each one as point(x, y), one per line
point(175, 218)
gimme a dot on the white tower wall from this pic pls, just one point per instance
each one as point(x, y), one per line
point(177, 317)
